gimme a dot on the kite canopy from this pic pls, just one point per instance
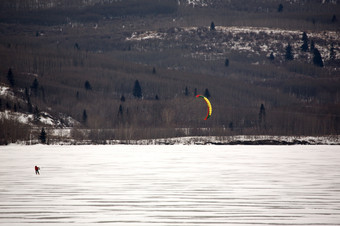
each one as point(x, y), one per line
point(208, 105)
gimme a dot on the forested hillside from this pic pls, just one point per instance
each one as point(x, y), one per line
point(131, 69)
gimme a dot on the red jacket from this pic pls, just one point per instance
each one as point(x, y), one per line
point(36, 168)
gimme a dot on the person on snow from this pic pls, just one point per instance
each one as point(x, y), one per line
point(37, 170)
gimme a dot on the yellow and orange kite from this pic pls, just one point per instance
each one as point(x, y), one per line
point(208, 104)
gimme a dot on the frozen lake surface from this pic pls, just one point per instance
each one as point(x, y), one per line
point(170, 185)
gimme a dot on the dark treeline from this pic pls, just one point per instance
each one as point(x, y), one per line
point(61, 12)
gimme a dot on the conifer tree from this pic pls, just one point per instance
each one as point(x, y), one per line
point(186, 91)
point(212, 26)
point(42, 136)
point(137, 90)
point(262, 115)
point(332, 54)
point(27, 95)
point(231, 126)
point(304, 46)
point(76, 46)
point(317, 59)
point(334, 18)
point(226, 62)
point(280, 8)
point(120, 110)
point(84, 116)
point(289, 55)
point(29, 107)
point(304, 36)
point(10, 77)
point(312, 46)
point(87, 85)
point(122, 98)
point(35, 86)
point(206, 93)
point(8, 105)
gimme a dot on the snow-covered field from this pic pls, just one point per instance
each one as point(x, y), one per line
point(170, 185)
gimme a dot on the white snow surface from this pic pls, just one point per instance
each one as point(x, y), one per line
point(169, 185)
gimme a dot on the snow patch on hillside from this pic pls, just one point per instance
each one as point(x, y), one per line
point(146, 35)
point(6, 92)
point(201, 3)
point(214, 45)
point(16, 116)
point(32, 119)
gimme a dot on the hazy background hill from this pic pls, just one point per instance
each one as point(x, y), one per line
point(81, 60)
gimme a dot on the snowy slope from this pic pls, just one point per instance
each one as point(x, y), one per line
point(253, 40)
point(45, 118)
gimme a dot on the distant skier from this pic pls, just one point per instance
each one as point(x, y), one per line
point(37, 170)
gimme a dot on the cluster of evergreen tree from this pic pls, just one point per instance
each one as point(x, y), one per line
point(317, 58)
